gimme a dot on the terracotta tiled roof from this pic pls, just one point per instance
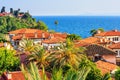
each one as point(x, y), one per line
point(62, 35)
point(54, 40)
point(97, 49)
point(105, 67)
point(81, 43)
point(18, 75)
point(109, 33)
point(34, 33)
point(25, 30)
point(115, 46)
point(91, 40)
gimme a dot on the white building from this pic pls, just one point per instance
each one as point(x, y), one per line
point(113, 35)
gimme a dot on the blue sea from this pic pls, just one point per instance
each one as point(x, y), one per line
point(80, 25)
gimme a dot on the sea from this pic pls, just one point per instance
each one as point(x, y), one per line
point(80, 25)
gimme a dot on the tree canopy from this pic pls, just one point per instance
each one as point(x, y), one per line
point(12, 23)
point(8, 60)
point(94, 31)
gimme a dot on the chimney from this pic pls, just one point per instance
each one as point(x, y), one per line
point(36, 34)
point(51, 36)
point(43, 35)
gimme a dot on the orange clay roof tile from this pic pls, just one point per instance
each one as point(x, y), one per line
point(91, 40)
point(18, 75)
point(109, 33)
point(115, 46)
point(54, 40)
point(25, 30)
point(105, 67)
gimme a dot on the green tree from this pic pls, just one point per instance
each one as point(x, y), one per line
point(2, 38)
point(106, 76)
point(73, 37)
point(39, 56)
point(3, 9)
point(11, 11)
point(71, 74)
point(94, 31)
point(8, 60)
point(26, 16)
point(94, 73)
point(117, 74)
point(31, 72)
point(68, 54)
point(41, 25)
point(28, 45)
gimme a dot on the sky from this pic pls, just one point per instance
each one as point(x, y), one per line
point(65, 7)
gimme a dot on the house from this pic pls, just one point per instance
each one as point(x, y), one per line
point(116, 48)
point(94, 40)
point(106, 67)
point(53, 42)
point(113, 35)
point(96, 51)
point(36, 35)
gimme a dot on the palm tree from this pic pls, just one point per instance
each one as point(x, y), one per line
point(39, 56)
point(106, 76)
point(32, 73)
point(28, 45)
point(68, 54)
point(71, 74)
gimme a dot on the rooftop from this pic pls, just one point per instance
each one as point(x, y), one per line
point(105, 67)
point(109, 33)
point(115, 46)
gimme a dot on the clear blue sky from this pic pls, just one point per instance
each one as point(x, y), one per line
point(65, 7)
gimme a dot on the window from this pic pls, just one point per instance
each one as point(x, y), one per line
point(115, 38)
point(116, 51)
point(108, 38)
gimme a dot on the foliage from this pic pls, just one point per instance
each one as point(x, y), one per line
point(8, 60)
point(39, 56)
point(28, 45)
point(67, 55)
point(12, 23)
point(94, 73)
point(26, 16)
point(31, 73)
point(11, 11)
point(94, 31)
point(73, 37)
point(2, 38)
point(107, 76)
point(3, 9)
point(71, 74)
point(117, 74)
point(41, 25)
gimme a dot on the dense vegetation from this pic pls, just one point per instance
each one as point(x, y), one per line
point(95, 31)
point(73, 37)
point(12, 23)
point(8, 60)
point(67, 61)
point(16, 20)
